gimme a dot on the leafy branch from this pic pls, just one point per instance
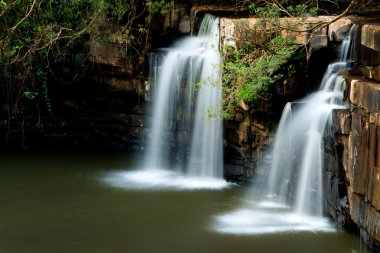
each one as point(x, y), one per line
point(260, 61)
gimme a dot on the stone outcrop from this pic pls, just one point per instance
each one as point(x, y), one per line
point(355, 177)
point(370, 36)
point(245, 145)
point(370, 51)
point(236, 32)
point(112, 66)
point(359, 138)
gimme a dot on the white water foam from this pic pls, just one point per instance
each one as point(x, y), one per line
point(162, 179)
point(258, 221)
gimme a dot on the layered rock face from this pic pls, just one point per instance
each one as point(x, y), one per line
point(356, 176)
point(245, 145)
point(359, 137)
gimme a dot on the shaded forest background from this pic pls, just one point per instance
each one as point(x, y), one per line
point(42, 42)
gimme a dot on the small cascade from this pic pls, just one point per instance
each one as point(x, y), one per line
point(174, 73)
point(292, 197)
point(296, 172)
point(185, 148)
point(206, 154)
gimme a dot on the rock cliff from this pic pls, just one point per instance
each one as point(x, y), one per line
point(353, 181)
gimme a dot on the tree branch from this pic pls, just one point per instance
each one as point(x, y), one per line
point(344, 13)
point(24, 18)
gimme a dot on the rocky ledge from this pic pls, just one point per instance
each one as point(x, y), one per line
point(356, 176)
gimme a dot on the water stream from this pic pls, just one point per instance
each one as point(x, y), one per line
point(185, 81)
point(292, 197)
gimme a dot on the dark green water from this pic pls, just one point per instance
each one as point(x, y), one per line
point(52, 202)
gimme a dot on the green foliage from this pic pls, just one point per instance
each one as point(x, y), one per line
point(250, 70)
point(119, 8)
point(42, 77)
point(135, 20)
point(158, 7)
point(79, 60)
point(267, 11)
point(36, 36)
point(274, 11)
point(302, 10)
point(43, 41)
point(3, 5)
point(249, 74)
point(31, 95)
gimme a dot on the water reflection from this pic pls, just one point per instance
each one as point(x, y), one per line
point(63, 203)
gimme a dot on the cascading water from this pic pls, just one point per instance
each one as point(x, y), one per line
point(300, 135)
point(293, 199)
point(206, 155)
point(179, 109)
point(192, 60)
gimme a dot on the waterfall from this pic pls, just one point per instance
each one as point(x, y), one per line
point(175, 71)
point(206, 155)
point(291, 198)
point(185, 147)
point(295, 176)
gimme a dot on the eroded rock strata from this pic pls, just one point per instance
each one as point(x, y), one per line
point(353, 181)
